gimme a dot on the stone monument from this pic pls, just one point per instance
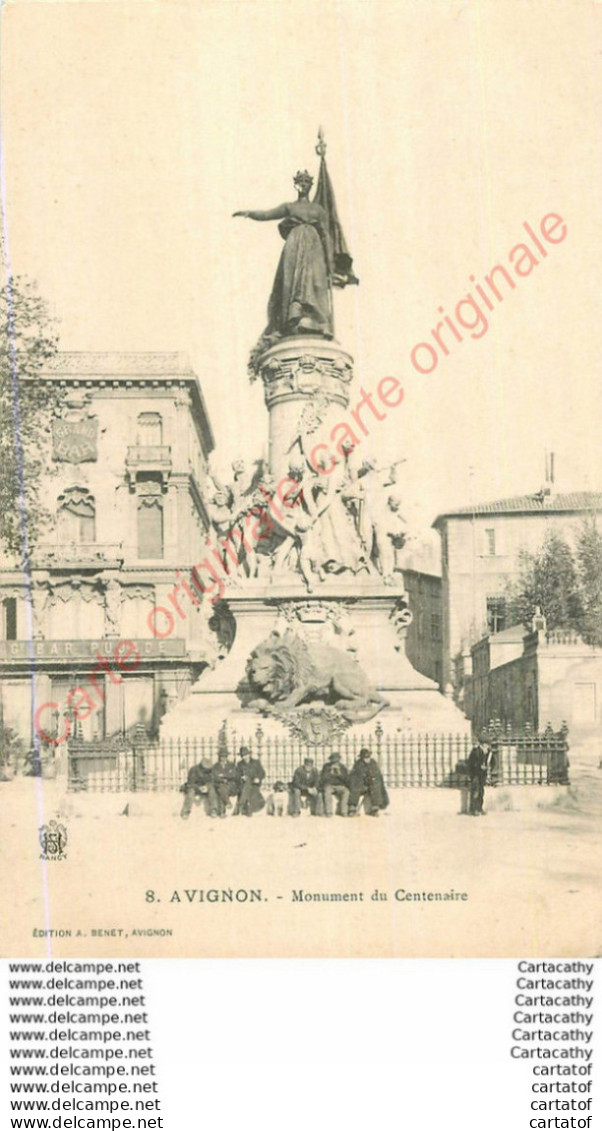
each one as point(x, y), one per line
point(320, 609)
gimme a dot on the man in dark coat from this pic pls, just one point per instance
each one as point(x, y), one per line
point(199, 788)
point(367, 782)
point(304, 787)
point(249, 776)
point(224, 779)
point(334, 782)
point(478, 764)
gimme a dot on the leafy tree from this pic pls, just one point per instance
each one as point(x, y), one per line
point(11, 749)
point(589, 564)
point(547, 580)
point(27, 342)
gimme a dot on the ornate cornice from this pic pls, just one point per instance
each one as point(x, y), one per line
point(125, 370)
point(85, 363)
point(306, 368)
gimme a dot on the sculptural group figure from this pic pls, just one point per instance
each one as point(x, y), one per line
point(300, 302)
point(346, 522)
point(338, 520)
point(314, 259)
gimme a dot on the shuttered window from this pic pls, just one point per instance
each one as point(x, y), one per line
point(150, 526)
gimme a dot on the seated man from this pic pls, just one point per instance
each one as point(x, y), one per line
point(366, 781)
point(334, 782)
point(304, 789)
point(223, 776)
point(199, 788)
point(249, 776)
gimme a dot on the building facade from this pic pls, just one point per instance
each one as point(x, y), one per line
point(535, 679)
point(99, 636)
point(425, 633)
point(480, 549)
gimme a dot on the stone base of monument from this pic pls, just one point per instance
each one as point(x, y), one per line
point(347, 622)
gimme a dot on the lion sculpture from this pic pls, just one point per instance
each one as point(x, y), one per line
point(286, 671)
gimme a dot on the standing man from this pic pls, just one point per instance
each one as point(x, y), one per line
point(249, 776)
point(304, 787)
point(223, 776)
point(334, 782)
point(366, 781)
point(478, 764)
point(199, 789)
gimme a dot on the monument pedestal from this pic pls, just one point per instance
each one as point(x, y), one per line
point(365, 620)
point(320, 635)
point(306, 383)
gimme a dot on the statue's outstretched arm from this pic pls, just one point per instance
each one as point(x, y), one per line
point(272, 213)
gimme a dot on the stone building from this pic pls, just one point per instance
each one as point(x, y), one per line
point(536, 678)
point(480, 548)
point(425, 632)
point(101, 611)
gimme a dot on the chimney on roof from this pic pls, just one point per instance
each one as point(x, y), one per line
point(548, 486)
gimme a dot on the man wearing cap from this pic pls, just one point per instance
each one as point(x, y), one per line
point(199, 788)
point(249, 776)
point(334, 782)
point(304, 787)
point(223, 776)
point(478, 764)
point(367, 782)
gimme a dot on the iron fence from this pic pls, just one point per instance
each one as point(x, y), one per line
point(407, 760)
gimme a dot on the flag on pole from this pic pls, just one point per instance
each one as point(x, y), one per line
point(343, 263)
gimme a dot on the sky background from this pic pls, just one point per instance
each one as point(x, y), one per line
point(132, 131)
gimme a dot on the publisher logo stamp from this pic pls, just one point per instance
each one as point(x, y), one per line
point(53, 839)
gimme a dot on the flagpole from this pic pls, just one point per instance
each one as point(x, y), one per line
point(321, 151)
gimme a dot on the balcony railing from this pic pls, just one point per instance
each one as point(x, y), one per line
point(148, 457)
point(79, 553)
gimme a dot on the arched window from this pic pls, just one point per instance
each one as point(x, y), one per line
point(150, 430)
point(76, 520)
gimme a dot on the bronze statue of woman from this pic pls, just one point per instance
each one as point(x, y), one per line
point(301, 298)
